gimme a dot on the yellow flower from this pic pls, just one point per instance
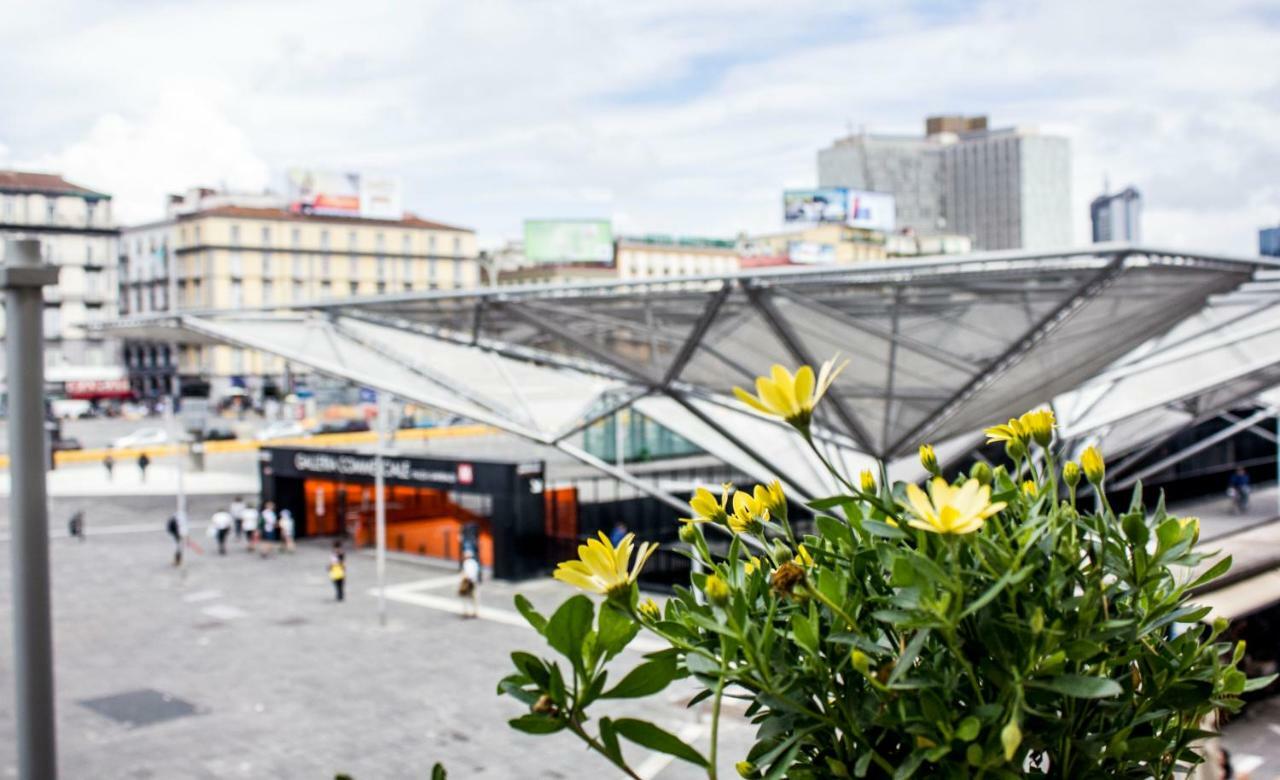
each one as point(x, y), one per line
point(868, 481)
point(706, 509)
point(791, 397)
point(746, 769)
point(951, 510)
point(772, 498)
point(929, 458)
point(1094, 467)
point(751, 566)
point(1029, 488)
point(749, 514)
point(1071, 474)
point(803, 556)
point(1194, 524)
point(717, 590)
point(602, 568)
point(1039, 425)
point(649, 610)
point(1012, 431)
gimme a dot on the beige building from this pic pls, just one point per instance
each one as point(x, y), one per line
point(821, 244)
point(212, 253)
point(649, 257)
point(77, 234)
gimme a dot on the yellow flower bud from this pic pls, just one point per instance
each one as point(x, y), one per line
point(981, 471)
point(1192, 523)
point(868, 481)
point(861, 661)
point(688, 533)
point(1071, 474)
point(1094, 467)
point(750, 567)
point(1015, 449)
point(717, 590)
point(1029, 488)
point(649, 610)
point(929, 459)
point(746, 769)
point(803, 556)
point(781, 552)
point(1011, 738)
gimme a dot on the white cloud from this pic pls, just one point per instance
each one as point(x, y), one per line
point(669, 116)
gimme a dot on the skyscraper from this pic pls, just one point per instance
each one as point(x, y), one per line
point(1117, 217)
point(1006, 188)
point(1269, 242)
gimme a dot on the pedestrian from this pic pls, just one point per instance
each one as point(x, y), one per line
point(268, 528)
point(220, 526)
point(1238, 489)
point(618, 533)
point(109, 463)
point(237, 516)
point(338, 569)
point(75, 526)
point(286, 529)
point(469, 587)
point(143, 462)
point(177, 528)
point(251, 518)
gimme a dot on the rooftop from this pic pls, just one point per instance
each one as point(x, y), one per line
point(44, 183)
point(246, 212)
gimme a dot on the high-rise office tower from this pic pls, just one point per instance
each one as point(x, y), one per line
point(1269, 242)
point(1117, 217)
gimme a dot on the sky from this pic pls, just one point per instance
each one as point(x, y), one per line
point(667, 117)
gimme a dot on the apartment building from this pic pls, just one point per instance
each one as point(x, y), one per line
point(218, 251)
point(74, 226)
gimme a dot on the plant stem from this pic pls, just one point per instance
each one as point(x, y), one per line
point(715, 710)
point(595, 745)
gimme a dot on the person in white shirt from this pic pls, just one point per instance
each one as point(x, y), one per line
point(220, 527)
point(250, 515)
point(286, 530)
point(237, 515)
point(469, 588)
point(268, 527)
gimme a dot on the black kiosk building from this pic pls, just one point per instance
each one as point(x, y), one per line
point(434, 506)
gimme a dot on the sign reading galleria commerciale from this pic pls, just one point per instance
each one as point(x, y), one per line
point(365, 466)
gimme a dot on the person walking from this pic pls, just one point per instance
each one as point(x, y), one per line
point(143, 462)
point(237, 516)
point(469, 587)
point(220, 528)
point(338, 569)
point(1238, 489)
point(286, 530)
point(251, 518)
point(109, 463)
point(268, 528)
point(177, 528)
point(618, 533)
point(75, 526)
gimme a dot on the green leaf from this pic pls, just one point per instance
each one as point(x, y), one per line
point(438, 773)
point(967, 731)
point(806, 633)
point(1215, 571)
point(823, 504)
point(568, 628)
point(616, 630)
point(883, 530)
point(532, 615)
point(648, 735)
point(609, 738)
point(645, 680)
point(1081, 686)
point(536, 724)
point(908, 657)
point(834, 529)
point(1258, 683)
point(532, 667)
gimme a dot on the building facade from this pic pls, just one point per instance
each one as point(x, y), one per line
point(76, 232)
point(1117, 217)
point(1005, 188)
point(1269, 242)
point(221, 255)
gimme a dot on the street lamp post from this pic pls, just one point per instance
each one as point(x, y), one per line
point(380, 507)
point(22, 276)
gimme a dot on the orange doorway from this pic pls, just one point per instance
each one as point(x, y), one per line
point(420, 520)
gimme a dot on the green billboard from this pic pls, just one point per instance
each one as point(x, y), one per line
point(568, 240)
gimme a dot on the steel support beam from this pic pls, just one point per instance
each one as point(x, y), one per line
point(1200, 446)
point(694, 340)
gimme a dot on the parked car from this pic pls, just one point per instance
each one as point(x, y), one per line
point(281, 429)
point(340, 426)
point(143, 437)
point(68, 443)
point(218, 432)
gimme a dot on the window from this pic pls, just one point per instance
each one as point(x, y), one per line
point(88, 211)
point(431, 271)
point(52, 322)
point(237, 361)
point(382, 268)
point(266, 264)
point(351, 240)
point(406, 244)
point(237, 267)
point(297, 266)
point(457, 273)
point(382, 287)
point(50, 210)
point(268, 292)
point(407, 274)
point(324, 265)
point(431, 244)
point(381, 241)
point(353, 288)
point(197, 232)
point(235, 234)
point(326, 289)
point(297, 290)
point(408, 287)
point(92, 283)
point(88, 253)
point(266, 236)
point(297, 237)
point(324, 239)
point(237, 294)
point(353, 267)
point(457, 245)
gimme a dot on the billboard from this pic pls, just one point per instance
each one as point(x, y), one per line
point(870, 210)
point(812, 206)
point(856, 208)
point(811, 252)
point(344, 194)
point(568, 240)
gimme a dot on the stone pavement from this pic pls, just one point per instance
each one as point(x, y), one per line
point(282, 681)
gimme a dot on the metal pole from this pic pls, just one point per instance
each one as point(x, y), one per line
point(380, 508)
point(22, 278)
point(176, 432)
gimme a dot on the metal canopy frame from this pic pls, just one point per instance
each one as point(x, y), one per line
point(939, 347)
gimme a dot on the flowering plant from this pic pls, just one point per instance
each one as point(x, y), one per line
point(984, 625)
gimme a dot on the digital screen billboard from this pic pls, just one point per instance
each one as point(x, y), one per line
point(811, 253)
point(814, 206)
point(344, 194)
point(870, 210)
point(568, 241)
